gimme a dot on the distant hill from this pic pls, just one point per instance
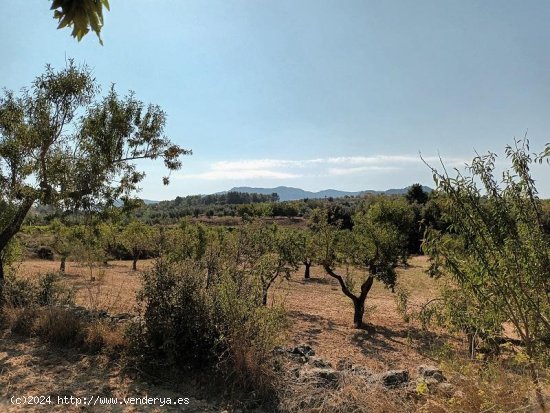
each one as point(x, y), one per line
point(119, 203)
point(287, 193)
point(403, 191)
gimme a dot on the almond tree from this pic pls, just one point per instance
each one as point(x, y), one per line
point(503, 262)
point(306, 250)
point(267, 252)
point(137, 238)
point(61, 146)
point(64, 241)
point(374, 248)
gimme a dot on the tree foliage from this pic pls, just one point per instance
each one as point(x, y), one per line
point(137, 238)
point(416, 193)
point(266, 252)
point(60, 146)
point(81, 15)
point(497, 250)
point(372, 247)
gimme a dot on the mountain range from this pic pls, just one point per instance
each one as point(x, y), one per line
point(287, 193)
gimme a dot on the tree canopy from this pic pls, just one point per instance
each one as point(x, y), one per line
point(60, 145)
point(497, 251)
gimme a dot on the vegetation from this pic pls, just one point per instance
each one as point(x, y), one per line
point(373, 247)
point(52, 156)
point(497, 251)
point(213, 295)
point(137, 238)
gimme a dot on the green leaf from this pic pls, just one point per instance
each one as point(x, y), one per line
point(64, 22)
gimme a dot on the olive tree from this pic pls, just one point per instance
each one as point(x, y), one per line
point(61, 144)
point(503, 260)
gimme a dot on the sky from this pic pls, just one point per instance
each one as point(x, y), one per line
point(313, 94)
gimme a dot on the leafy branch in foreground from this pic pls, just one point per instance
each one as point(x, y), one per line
point(497, 251)
point(82, 15)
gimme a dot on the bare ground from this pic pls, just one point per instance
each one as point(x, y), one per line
point(29, 368)
point(320, 314)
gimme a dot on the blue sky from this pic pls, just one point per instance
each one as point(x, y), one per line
point(314, 94)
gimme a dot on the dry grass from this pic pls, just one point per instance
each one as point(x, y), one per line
point(63, 328)
point(352, 395)
point(113, 287)
point(100, 336)
point(59, 327)
point(19, 320)
point(29, 367)
point(321, 316)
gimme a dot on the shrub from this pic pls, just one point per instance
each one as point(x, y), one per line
point(249, 330)
point(60, 327)
point(18, 292)
point(51, 324)
point(52, 290)
point(44, 253)
point(224, 326)
point(177, 315)
point(19, 320)
point(48, 289)
point(100, 336)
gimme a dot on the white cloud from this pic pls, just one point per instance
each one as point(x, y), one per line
point(218, 175)
point(373, 160)
point(390, 160)
point(249, 169)
point(360, 169)
point(256, 164)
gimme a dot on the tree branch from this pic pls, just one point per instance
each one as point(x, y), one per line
point(343, 285)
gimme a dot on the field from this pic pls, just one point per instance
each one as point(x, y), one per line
point(321, 317)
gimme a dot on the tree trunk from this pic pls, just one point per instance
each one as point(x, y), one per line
point(15, 225)
point(1, 271)
point(471, 344)
point(9, 232)
point(359, 311)
point(358, 301)
point(134, 264)
point(264, 298)
point(1, 281)
point(306, 272)
point(62, 265)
